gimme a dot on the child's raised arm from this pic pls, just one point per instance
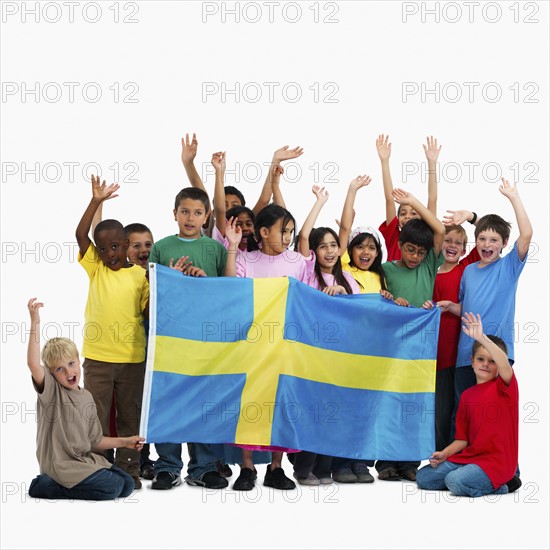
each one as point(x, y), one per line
point(33, 348)
point(188, 154)
point(458, 217)
point(100, 193)
point(348, 213)
point(218, 162)
point(474, 329)
point(384, 152)
point(524, 224)
point(322, 197)
point(404, 197)
point(432, 153)
point(233, 233)
point(276, 172)
point(280, 155)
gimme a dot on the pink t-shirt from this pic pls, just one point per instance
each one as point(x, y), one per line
point(331, 281)
point(256, 264)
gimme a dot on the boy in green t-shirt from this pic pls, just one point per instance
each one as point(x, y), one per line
point(198, 256)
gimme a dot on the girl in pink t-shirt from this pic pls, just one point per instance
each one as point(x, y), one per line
point(267, 255)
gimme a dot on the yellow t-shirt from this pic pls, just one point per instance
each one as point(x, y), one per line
point(113, 330)
point(369, 281)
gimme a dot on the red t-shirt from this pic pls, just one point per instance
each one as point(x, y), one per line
point(447, 287)
point(487, 418)
point(391, 236)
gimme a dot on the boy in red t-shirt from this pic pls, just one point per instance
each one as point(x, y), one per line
point(483, 457)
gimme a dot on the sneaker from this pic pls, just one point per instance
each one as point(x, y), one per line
point(245, 481)
point(309, 480)
point(147, 471)
point(409, 475)
point(344, 475)
point(276, 478)
point(165, 480)
point(514, 484)
point(389, 474)
point(361, 470)
point(326, 480)
point(223, 469)
point(210, 480)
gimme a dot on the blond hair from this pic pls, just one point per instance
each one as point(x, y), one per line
point(57, 349)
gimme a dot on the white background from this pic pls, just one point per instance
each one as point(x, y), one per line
point(365, 55)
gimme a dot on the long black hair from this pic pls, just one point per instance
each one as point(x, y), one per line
point(315, 239)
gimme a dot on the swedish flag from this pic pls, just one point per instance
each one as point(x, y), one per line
point(275, 362)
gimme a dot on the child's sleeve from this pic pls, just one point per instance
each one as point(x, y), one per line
point(513, 263)
point(308, 267)
point(510, 391)
point(45, 394)
point(145, 292)
point(95, 433)
point(90, 261)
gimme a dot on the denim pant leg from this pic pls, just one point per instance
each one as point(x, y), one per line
point(433, 479)
point(471, 481)
point(105, 484)
point(202, 459)
point(169, 459)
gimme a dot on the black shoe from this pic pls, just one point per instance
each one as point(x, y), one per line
point(137, 482)
point(514, 484)
point(147, 471)
point(223, 469)
point(210, 480)
point(165, 480)
point(276, 478)
point(245, 481)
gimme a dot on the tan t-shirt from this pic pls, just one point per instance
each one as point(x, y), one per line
point(68, 428)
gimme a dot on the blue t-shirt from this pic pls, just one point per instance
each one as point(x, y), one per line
point(491, 292)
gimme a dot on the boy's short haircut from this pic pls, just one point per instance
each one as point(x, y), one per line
point(57, 349)
point(230, 190)
point(458, 229)
point(195, 194)
point(417, 232)
point(132, 228)
point(108, 225)
point(495, 339)
point(494, 223)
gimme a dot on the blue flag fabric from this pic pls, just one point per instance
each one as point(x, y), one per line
point(275, 362)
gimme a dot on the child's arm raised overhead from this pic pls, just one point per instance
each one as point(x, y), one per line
point(322, 197)
point(280, 155)
point(404, 197)
point(348, 213)
point(432, 153)
point(218, 162)
point(474, 329)
point(458, 217)
point(233, 233)
point(524, 224)
point(276, 172)
point(100, 193)
point(188, 154)
point(33, 348)
point(384, 152)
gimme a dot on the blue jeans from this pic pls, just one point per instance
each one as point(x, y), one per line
point(463, 480)
point(202, 458)
point(105, 484)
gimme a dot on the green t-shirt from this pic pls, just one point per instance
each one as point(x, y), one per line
point(415, 285)
point(206, 253)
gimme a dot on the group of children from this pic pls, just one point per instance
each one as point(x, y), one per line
point(415, 261)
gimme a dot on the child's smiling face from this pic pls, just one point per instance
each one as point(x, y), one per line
point(364, 254)
point(327, 253)
point(112, 247)
point(489, 246)
point(140, 247)
point(453, 247)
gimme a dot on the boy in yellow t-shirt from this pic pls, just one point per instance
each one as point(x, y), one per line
point(114, 337)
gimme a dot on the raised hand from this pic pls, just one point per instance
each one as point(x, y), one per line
point(456, 217)
point(218, 161)
point(509, 191)
point(472, 326)
point(383, 147)
point(33, 307)
point(284, 153)
point(101, 191)
point(320, 192)
point(233, 232)
point(189, 149)
point(360, 181)
point(402, 197)
point(431, 149)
